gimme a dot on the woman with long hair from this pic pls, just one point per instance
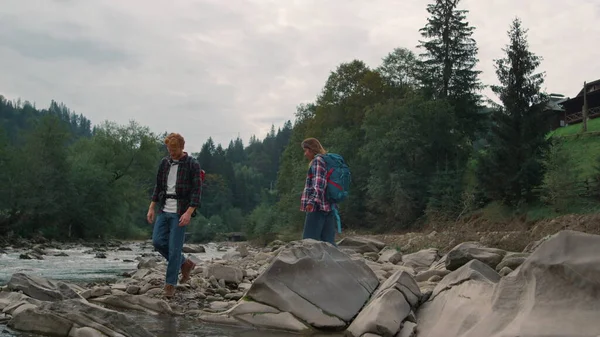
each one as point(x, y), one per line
point(320, 221)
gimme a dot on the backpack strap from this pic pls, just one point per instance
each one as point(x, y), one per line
point(337, 219)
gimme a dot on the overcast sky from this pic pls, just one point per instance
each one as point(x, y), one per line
point(222, 67)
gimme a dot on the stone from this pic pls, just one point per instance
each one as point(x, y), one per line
point(41, 288)
point(315, 282)
point(467, 251)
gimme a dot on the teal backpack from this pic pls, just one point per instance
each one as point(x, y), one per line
point(338, 178)
point(338, 181)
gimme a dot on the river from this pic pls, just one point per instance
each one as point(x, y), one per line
point(82, 266)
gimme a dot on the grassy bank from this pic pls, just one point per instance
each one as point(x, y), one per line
point(583, 147)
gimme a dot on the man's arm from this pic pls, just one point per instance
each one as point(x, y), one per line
point(157, 185)
point(196, 187)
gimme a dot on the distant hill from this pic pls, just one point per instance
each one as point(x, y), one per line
point(17, 116)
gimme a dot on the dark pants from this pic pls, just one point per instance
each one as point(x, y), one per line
point(320, 226)
point(168, 238)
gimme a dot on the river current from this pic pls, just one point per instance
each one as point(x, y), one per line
point(82, 266)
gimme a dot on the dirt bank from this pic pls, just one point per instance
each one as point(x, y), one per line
point(512, 235)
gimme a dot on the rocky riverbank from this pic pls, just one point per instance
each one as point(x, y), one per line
point(361, 288)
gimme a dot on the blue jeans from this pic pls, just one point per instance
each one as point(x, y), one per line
point(320, 226)
point(168, 238)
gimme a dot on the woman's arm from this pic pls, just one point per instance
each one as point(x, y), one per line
point(319, 181)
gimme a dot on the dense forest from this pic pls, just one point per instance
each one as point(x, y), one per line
point(422, 144)
point(61, 178)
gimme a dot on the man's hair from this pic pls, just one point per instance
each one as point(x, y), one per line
point(175, 139)
point(313, 145)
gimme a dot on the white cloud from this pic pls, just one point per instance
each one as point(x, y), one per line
point(219, 68)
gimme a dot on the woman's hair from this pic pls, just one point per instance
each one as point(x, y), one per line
point(314, 145)
point(175, 139)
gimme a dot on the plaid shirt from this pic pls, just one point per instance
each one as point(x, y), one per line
point(188, 186)
point(314, 187)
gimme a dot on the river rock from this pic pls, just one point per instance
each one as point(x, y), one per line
point(60, 317)
point(249, 313)
point(148, 262)
point(428, 274)
point(85, 332)
point(384, 315)
point(193, 249)
point(512, 261)
point(279, 321)
point(315, 282)
point(390, 255)
point(555, 292)
point(243, 250)
point(11, 300)
point(262, 257)
point(232, 256)
point(409, 329)
point(229, 274)
point(133, 289)
point(421, 260)
point(30, 256)
point(463, 293)
point(135, 302)
point(308, 285)
point(96, 292)
point(467, 251)
point(41, 288)
point(505, 271)
point(389, 306)
point(361, 244)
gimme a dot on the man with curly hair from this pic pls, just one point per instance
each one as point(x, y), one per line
point(177, 195)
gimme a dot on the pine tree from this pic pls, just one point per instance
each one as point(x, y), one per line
point(447, 67)
point(512, 166)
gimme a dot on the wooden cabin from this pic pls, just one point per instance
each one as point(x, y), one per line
point(573, 107)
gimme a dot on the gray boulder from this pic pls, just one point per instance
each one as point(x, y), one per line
point(42, 289)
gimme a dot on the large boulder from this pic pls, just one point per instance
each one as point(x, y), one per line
point(65, 318)
point(134, 302)
point(317, 283)
point(421, 260)
point(467, 251)
point(309, 284)
point(42, 289)
point(555, 292)
point(460, 299)
point(389, 306)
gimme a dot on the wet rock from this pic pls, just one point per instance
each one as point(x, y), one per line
point(41, 288)
point(193, 249)
point(59, 318)
point(467, 251)
point(361, 245)
point(390, 255)
point(228, 274)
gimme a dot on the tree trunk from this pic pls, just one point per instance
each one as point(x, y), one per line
point(585, 108)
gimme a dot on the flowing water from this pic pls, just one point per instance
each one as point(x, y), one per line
point(82, 266)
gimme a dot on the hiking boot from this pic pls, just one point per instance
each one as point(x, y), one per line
point(186, 270)
point(169, 290)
